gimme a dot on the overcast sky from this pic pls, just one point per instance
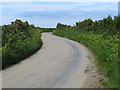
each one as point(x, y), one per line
point(59, 0)
point(49, 13)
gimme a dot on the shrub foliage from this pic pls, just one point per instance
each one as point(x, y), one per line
point(19, 40)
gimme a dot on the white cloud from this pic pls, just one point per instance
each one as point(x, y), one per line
point(100, 8)
point(44, 14)
point(59, 0)
point(92, 6)
point(39, 6)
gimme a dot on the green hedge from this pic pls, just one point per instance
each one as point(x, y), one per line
point(19, 41)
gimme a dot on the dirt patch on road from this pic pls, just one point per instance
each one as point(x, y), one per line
point(93, 75)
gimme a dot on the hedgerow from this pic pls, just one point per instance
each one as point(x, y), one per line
point(19, 40)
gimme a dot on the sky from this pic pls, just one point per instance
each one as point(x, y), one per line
point(59, 0)
point(49, 13)
point(119, 8)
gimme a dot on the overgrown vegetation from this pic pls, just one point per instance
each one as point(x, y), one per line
point(102, 38)
point(19, 40)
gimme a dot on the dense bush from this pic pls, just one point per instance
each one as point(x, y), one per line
point(19, 40)
point(102, 37)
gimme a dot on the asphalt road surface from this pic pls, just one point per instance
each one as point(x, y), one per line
point(60, 63)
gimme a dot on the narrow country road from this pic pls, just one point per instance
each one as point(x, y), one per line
point(60, 63)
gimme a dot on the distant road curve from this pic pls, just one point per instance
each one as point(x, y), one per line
point(60, 63)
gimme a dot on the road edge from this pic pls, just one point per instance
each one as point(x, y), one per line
point(94, 77)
